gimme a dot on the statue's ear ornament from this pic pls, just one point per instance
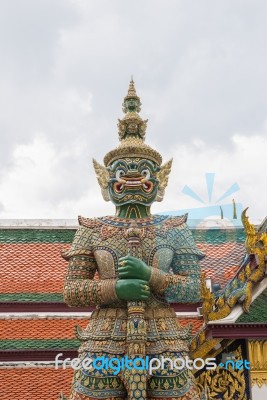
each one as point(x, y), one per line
point(103, 179)
point(163, 176)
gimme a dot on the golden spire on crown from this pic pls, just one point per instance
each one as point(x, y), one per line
point(132, 130)
point(131, 101)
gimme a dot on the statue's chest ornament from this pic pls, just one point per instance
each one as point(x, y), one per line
point(112, 227)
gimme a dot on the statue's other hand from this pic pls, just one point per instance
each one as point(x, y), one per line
point(132, 267)
point(132, 289)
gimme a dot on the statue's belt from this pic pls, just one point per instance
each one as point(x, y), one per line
point(150, 313)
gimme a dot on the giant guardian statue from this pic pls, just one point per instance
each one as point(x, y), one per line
point(131, 266)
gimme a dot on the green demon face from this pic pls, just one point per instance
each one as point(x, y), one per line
point(130, 104)
point(133, 181)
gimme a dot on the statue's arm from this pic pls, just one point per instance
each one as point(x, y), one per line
point(183, 285)
point(80, 288)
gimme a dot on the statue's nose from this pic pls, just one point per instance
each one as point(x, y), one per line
point(133, 171)
point(133, 174)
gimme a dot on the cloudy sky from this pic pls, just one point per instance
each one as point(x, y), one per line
point(199, 68)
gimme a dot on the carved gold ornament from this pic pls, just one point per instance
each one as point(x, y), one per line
point(103, 178)
point(163, 176)
point(221, 383)
point(258, 362)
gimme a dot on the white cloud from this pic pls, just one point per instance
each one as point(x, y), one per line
point(38, 184)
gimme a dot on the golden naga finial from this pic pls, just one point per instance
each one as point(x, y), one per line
point(250, 232)
point(208, 300)
point(256, 242)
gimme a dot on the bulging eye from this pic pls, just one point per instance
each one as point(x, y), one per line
point(119, 174)
point(145, 173)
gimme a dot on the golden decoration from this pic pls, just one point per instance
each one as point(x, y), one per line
point(204, 348)
point(207, 298)
point(102, 174)
point(134, 147)
point(163, 176)
point(131, 92)
point(240, 288)
point(222, 383)
point(250, 231)
point(103, 179)
point(257, 350)
point(133, 121)
point(122, 263)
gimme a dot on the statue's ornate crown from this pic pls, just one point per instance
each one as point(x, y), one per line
point(132, 130)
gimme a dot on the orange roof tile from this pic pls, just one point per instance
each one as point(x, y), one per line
point(40, 328)
point(32, 267)
point(197, 323)
point(221, 261)
point(34, 383)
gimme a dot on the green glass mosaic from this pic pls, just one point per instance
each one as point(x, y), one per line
point(36, 235)
point(219, 236)
point(31, 297)
point(39, 344)
point(258, 310)
point(212, 236)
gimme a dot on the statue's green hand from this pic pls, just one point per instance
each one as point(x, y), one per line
point(132, 267)
point(132, 289)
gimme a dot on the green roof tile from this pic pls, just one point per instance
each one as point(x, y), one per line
point(39, 344)
point(258, 310)
point(212, 236)
point(37, 235)
point(219, 236)
point(31, 297)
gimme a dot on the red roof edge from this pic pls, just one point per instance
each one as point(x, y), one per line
point(237, 331)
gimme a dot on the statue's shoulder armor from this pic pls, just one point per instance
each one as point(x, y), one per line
point(89, 222)
point(181, 236)
point(82, 242)
point(175, 221)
